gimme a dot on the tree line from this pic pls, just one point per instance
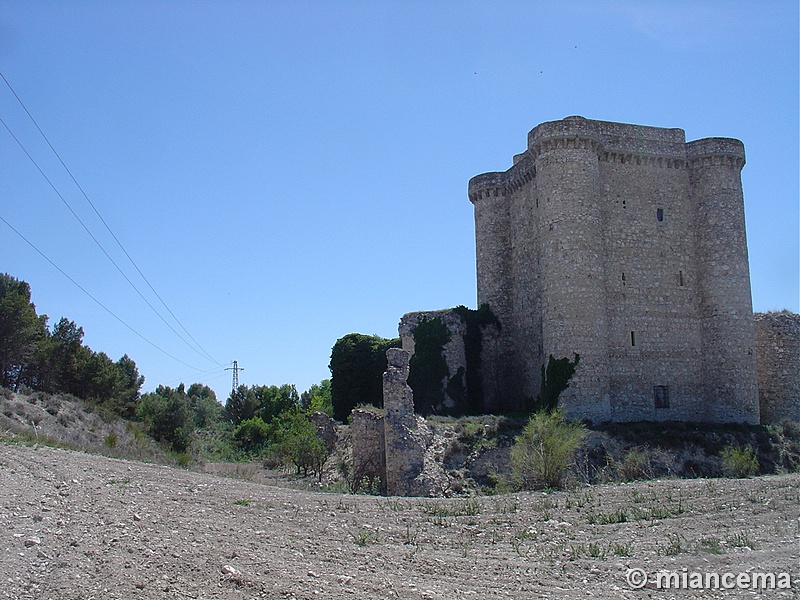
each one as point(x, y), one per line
point(255, 421)
point(55, 359)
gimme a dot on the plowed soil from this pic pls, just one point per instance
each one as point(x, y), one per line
point(83, 526)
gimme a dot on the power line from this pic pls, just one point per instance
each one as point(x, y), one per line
point(103, 306)
point(96, 241)
point(113, 235)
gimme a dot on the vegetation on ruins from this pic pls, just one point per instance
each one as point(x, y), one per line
point(462, 392)
point(473, 345)
point(428, 367)
point(555, 379)
point(357, 365)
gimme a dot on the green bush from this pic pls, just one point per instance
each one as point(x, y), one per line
point(357, 365)
point(252, 434)
point(739, 462)
point(168, 416)
point(544, 453)
point(635, 465)
point(111, 439)
point(295, 443)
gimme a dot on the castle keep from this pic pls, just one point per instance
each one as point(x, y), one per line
point(625, 245)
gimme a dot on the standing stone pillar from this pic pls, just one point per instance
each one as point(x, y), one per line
point(404, 450)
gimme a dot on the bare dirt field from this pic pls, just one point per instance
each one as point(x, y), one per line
point(83, 526)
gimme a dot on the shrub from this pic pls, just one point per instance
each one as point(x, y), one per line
point(543, 454)
point(739, 462)
point(296, 443)
point(357, 365)
point(251, 435)
point(111, 439)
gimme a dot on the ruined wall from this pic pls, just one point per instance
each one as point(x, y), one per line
point(452, 386)
point(369, 449)
point(625, 245)
point(405, 449)
point(778, 359)
point(470, 382)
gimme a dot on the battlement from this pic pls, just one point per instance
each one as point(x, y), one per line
point(487, 185)
point(619, 137)
point(618, 143)
point(716, 151)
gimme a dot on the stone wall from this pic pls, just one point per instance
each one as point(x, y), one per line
point(453, 353)
point(778, 359)
point(394, 448)
point(470, 383)
point(404, 448)
point(369, 453)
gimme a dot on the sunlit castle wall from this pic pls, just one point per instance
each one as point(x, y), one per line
point(625, 245)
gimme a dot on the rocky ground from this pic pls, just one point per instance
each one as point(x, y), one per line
point(82, 526)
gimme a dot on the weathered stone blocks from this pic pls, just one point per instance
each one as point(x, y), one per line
point(778, 356)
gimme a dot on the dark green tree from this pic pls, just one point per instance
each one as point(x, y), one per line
point(318, 398)
point(275, 399)
point(97, 377)
point(21, 332)
point(265, 401)
point(241, 405)
point(129, 383)
point(206, 409)
point(168, 416)
point(63, 365)
point(357, 365)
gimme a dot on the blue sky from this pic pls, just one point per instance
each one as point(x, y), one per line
point(284, 173)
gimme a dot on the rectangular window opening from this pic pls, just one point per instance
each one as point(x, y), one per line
point(633, 338)
point(660, 214)
point(661, 396)
point(681, 282)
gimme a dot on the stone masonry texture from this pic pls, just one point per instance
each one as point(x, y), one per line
point(626, 245)
point(778, 354)
point(404, 451)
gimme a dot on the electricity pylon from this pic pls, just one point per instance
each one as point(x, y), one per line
point(235, 368)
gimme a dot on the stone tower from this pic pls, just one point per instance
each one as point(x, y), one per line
point(626, 245)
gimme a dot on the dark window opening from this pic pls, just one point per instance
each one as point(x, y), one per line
point(660, 214)
point(661, 396)
point(681, 282)
point(633, 338)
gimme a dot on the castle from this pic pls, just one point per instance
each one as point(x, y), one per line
point(624, 245)
point(621, 247)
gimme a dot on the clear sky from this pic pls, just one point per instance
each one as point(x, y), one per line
point(285, 173)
